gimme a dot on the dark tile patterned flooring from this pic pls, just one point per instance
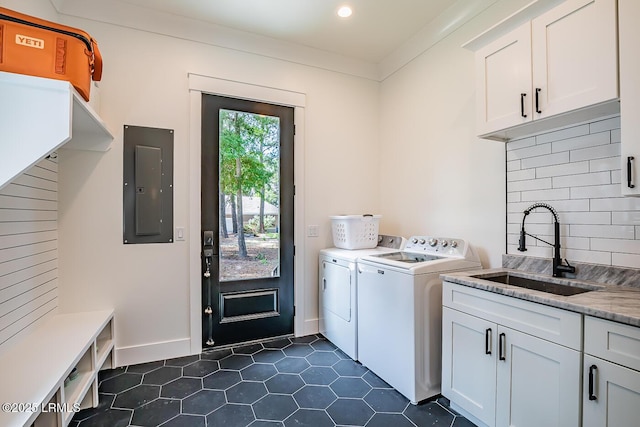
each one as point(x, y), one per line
point(302, 381)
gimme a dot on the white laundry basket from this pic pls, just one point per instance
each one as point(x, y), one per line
point(355, 231)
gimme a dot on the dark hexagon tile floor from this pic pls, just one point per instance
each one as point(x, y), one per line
point(286, 382)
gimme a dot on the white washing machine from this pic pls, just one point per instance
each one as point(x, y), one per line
point(338, 291)
point(400, 311)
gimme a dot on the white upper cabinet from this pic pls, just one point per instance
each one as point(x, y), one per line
point(629, 23)
point(503, 73)
point(575, 61)
point(555, 70)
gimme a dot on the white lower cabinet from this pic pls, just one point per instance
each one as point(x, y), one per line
point(611, 374)
point(508, 362)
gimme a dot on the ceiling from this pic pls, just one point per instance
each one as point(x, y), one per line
point(376, 28)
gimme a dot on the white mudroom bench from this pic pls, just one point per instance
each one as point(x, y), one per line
point(52, 371)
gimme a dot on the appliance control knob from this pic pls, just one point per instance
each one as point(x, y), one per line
point(444, 243)
point(422, 241)
point(433, 242)
point(414, 240)
point(454, 244)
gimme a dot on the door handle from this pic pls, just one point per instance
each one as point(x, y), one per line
point(629, 172)
point(522, 95)
point(502, 339)
point(592, 370)
point(487, 341)
point(538, 100)
point(208, 244)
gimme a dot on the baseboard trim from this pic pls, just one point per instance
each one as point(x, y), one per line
point(144, 353)
point(310, 327)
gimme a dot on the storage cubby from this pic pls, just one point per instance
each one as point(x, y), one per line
point(50, 419)
point(104, 345)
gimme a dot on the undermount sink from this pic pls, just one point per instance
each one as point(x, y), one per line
point(539, 285)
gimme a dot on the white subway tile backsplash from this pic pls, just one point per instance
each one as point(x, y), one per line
point(597, 224)
point(538, 195)
point(547, 160)
point(604, 125)
point(616, 177)
point(625, 218)
point(581, 180)
point(563, 134)
point(559, 206)
point(513, 165)
point(626, 260)
point(598, 152)
point(521, 175)
point(532, 184)
point(595, 191)
point(586, 218)
point(513, 197)
point(560, 170)
point(582, 142)
point(616, 245)
point(610, 231)
point(616, 204)
point(523, 153)
point(606, 164)
point(521, 143)
point(590, 256)
point(616, 136)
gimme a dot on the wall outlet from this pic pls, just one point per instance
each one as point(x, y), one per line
point(313, 231)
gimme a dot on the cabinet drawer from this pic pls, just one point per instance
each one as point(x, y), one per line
point(549, 323)
point(612, 341)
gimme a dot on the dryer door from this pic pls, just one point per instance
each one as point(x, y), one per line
point(336, 289)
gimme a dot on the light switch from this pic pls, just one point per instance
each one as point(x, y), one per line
point(313, 231)
point(179, 233)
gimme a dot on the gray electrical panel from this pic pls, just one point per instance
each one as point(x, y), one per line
point(148, 185)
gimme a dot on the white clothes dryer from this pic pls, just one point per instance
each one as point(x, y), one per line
point(338, 291)
point(400, 312)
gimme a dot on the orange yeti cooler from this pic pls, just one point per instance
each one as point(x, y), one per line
point(41, 48)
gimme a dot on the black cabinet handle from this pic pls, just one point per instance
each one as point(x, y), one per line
point(487, 341)
point(629, 177)
point(538, 100)
point(502, 338)
point(522, 95)
point(592, 370)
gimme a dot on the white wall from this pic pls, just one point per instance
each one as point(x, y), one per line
point(436, 177)
point(41, 9)
point(145, 83)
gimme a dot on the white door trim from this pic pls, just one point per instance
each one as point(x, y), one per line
point(199, 84)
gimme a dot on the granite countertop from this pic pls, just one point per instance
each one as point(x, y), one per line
point(607, 301)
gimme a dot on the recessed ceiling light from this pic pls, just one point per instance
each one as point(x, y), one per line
point(344, 12)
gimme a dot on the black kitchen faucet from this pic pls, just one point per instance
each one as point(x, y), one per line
point(558, 268)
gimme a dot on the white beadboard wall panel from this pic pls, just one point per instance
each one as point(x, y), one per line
point(598, 225)
point(28, 250)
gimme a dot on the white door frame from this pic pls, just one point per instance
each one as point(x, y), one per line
point(199, 84)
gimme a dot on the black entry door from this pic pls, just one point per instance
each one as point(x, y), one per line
point(247, 220)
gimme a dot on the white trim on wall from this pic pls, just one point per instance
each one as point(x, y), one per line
point(199, 84)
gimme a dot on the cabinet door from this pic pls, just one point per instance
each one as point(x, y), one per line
point(503, 82)
point(616, 393)
point(469, 363)
point(574, 54)
point(538, 382)
point(628, 19)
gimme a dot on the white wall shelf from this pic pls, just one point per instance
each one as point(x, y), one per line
point(38, 116)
